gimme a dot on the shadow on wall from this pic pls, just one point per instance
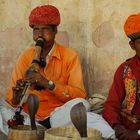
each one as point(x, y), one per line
point(103, 34)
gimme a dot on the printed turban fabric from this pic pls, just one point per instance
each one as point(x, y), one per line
point(45, 14)
point(132, 26)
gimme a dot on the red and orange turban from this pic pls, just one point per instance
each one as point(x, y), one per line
point(45, 14)
point(132, 26)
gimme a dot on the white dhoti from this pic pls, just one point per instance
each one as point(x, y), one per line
point(59, 117)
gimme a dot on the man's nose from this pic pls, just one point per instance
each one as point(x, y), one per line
point(40, 34)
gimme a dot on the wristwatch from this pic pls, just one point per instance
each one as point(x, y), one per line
point(51, 85)
point(139, 132)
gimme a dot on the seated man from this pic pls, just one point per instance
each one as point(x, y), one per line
point(60, 78)
point(121, 109)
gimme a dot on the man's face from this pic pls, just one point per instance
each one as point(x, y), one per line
point(45, 31)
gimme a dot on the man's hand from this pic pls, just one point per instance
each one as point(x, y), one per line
point(17, 91)
point(123, 134)
point(35, 78)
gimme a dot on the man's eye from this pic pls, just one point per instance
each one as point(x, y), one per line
point(46, 29)
point(35, 29)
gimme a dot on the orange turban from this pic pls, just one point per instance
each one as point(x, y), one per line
point(132, 26)
point(45, 14)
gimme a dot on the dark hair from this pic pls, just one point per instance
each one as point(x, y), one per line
point(133, 40)
point(53, 27)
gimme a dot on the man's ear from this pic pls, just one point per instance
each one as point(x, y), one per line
point(132, 44)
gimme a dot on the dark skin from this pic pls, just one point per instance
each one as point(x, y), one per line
point(120, 131)
point(124, 134)
point(47, 32)
point(17, 90)
point(135, 45)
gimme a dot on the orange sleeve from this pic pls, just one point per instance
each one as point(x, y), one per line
point(74, 88)
point(17, 73)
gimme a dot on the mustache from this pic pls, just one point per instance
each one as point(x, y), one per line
point(40, 42)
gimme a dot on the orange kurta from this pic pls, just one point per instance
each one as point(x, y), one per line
point(64, 69)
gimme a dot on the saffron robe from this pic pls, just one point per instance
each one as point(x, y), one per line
point(63, 68)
